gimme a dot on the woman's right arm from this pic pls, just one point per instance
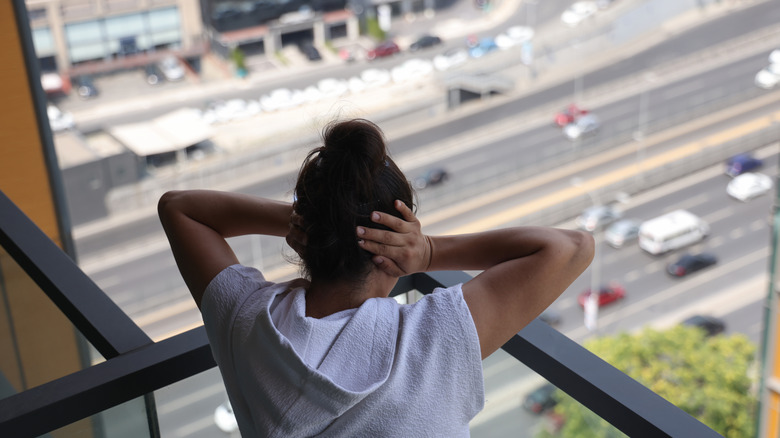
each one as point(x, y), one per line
point(524, 268)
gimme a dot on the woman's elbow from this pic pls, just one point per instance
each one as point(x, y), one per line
point(582, 247)
point(167, 203)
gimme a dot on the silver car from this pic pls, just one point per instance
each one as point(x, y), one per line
point(622, 232)
point(593, 218)
point(587, 124)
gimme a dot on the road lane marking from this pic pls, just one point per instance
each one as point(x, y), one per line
point(736, 233)
point(717, 241)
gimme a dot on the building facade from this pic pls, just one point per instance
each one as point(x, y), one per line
point(99, 35)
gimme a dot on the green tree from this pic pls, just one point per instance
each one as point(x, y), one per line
point(707, 377)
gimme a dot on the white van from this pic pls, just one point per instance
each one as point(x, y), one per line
point(671, 231)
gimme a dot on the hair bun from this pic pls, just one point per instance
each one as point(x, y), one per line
point(359, 142)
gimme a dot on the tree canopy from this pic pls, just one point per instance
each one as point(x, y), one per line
point(707, 377)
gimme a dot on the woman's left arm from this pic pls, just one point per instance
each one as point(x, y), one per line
point(198, 221)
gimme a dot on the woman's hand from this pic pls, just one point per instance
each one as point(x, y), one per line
point(296, 237)
point(403, 251)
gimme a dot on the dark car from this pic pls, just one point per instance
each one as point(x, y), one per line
point(311, 52)
point(742, 163)
point(431, 178)
point(425, 41)
point(386, 48)
point(153, 75)
point(689, 263)
point(540, 399)
point(709, 324)
point(85, 87)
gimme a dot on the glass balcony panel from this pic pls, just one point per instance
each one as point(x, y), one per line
point(195, 408)
point(128, 420)
point(37, 342)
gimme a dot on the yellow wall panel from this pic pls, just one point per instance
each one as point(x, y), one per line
point(23, 174)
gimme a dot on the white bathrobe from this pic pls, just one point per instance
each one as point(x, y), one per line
point(381, 370)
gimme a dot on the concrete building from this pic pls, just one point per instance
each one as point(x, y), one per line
point(74, 36)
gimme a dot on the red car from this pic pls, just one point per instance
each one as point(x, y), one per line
point(569, 115)
point(608, 294)
point(386, 48)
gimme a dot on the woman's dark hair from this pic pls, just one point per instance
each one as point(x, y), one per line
point(340, 183)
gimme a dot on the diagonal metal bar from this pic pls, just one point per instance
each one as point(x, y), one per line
point(93, 313)
point(87, 392)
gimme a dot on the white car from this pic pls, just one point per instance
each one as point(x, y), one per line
point(749, 185)
point(450, 59)
point(412, 69)
point(768, 77)
point(281, 99)
point(331, 87)
point(225, 419)
point(58, 120)
point(587, 124)
point(171, 68)
point(578, 12)
point(514, 36)
point(774, 57)
point(375, 77)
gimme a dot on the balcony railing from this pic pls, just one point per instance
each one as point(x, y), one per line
point(135, 366)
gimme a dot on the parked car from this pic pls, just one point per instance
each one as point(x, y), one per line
point(450, 58)
point(485, 46)
point(431, 178)
point(689, 263)
point(709, 324)
point(749, 185)
point(569, 115)
point(308, 50)
point(225, 419)
point(85, 87)
point(387, 48)
point(425, 41)
point(768, 77)
point(514, 36)
point(541, 399)
point(59, 120)
point(596, 217)
point(586, 125)
point(607, 294)
point(153, 75)
point(578, 12)
point(171, 68)
point(622, 232)
point(742, 163)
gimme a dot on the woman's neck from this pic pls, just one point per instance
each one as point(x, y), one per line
point(327, 298)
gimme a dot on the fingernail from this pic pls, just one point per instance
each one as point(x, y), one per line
point(361, 242)
point(361, 230)
point(378, 260)
point(375, 216)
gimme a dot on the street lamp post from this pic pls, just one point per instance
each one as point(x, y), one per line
point(591, 306)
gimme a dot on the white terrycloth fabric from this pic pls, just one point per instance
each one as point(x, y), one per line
point(381, 370)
